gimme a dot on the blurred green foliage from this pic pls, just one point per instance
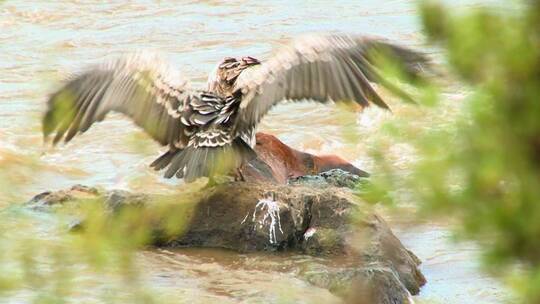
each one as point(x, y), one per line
point(41, 261)
point(484, 170)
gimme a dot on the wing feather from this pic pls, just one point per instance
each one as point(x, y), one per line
point(321, 68)
point(141, 86)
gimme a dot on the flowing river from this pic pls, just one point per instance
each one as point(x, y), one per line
point(41, 42)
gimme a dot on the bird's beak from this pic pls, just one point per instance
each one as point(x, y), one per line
point(250, 60)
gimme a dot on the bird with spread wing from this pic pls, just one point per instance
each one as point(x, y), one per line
point(211, 131)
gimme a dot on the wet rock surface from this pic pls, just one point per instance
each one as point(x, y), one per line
point(332, 178)
point(313, 215)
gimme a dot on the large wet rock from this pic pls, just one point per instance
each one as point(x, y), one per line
point(322, 220)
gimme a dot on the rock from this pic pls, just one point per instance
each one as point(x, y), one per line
point(324, 221)
point(252, 217)
point(277, 162)
point(331, 178)
point(45, 200)
point(372, 283)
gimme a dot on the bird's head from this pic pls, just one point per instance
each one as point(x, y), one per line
point(222, 79)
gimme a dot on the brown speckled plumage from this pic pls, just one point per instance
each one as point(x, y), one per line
point(210, 131)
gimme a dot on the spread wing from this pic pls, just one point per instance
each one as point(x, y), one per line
point(141, 86)
point(321, 68)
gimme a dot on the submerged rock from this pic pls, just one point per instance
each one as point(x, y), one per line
point(325, 221)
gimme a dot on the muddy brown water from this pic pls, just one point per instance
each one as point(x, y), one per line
point(42, 42)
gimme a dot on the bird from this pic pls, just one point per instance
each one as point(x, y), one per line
point(210, 131)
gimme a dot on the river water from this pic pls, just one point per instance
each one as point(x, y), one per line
point(43, 42)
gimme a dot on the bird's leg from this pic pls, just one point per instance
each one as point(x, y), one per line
point(239, 176)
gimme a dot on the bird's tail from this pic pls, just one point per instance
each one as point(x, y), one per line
point(191, 163)
point(165, 159)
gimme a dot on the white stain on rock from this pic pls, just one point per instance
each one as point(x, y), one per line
point(245, 218)
point(309, 233)
point(269, 217)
